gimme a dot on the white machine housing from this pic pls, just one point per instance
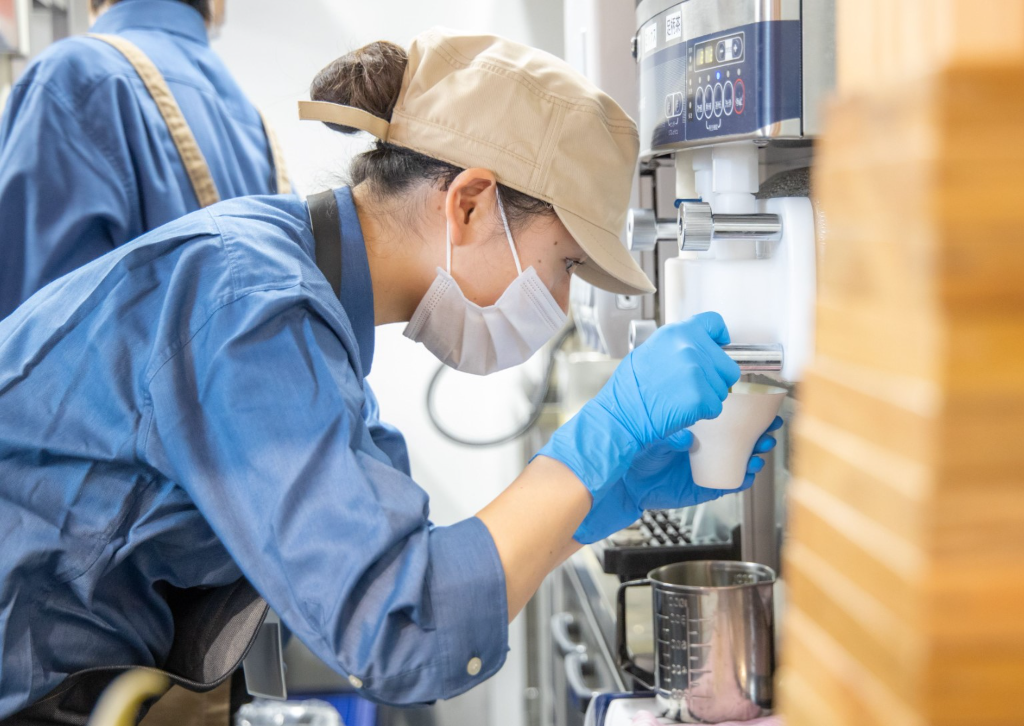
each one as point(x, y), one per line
point(764, 289)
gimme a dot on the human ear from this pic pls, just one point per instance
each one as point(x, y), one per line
point(470, 199)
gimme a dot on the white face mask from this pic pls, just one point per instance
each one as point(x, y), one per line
point(483, 340)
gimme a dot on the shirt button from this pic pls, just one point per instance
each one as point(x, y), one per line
point(355, 681)
point(473, 667)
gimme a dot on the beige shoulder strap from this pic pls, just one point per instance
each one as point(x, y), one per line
point(191, 156)
point(276, 157)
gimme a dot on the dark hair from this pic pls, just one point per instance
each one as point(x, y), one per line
point(203, 6)
point(370, 78)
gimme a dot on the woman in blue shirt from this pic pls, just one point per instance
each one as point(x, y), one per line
point(190, 410)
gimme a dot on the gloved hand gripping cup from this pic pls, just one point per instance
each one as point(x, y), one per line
point(676, 378)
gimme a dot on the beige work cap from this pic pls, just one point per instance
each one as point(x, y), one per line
point(541, 127)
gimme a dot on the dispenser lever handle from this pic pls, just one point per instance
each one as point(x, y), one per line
point(756, 358)
point(698, 227)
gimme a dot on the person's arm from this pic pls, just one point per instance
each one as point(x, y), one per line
point(258, 414)
point(532, 523)
point(62, 204)
point(387, 438)
point(536, 522)
point(259, 417)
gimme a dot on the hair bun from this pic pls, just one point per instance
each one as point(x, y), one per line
point(368, 78)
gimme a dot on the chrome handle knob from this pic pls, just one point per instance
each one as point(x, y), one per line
point(698, 227)
point(644, 230)
point(639, 331)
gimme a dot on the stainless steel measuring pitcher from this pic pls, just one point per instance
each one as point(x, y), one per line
point(714, 640)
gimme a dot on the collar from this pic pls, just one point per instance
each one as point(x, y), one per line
point(356, 286)
point(170, 16)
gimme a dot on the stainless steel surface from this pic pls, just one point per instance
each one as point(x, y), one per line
point(305, 673)
point(703, 17)
point(759, 533)
point(602, 318)
point(565, 633)
point(581, 672)
point(818, 27)
point(647, 9)
point(596, 591)
point(658, 189)
point(757, 358)
point(541, 677)
point(696, 227)
point(644, 230)
point(715, 639)
point(575, 626)
point(639, 331)
point(788, 131)
point(747, 226)
point(699, 227)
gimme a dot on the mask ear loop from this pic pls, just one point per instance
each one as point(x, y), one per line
point(448, 243)
point(508, 232)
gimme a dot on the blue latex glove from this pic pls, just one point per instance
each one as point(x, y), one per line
point(677, 377)
point(660, 479)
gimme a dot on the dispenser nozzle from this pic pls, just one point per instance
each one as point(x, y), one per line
point(756, 358)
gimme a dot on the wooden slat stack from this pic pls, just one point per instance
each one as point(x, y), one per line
point(905, 561)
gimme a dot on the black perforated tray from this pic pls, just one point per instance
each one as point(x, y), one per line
point(634, 562)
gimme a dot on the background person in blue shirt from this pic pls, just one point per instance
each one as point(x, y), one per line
point(191, 408)
point(87, 162)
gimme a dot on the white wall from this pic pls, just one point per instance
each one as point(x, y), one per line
point(275, 55)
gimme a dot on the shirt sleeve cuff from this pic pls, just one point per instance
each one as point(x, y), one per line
point(470, 606)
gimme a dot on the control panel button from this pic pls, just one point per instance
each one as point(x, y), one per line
point(698, 104)
point(729, 97)
point(718, 99)
point(720, 51)
point(740, 100)
point(737, 48)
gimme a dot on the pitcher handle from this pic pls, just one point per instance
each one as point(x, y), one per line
point(624, 654)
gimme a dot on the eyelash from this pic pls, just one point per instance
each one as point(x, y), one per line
point(569, 264)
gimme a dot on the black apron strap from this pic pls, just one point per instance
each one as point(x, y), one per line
point(323, 213)
point(213, 631)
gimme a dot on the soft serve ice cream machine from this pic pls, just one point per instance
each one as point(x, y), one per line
point(729, 95)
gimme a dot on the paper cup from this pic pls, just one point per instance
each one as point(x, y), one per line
point(723, 446)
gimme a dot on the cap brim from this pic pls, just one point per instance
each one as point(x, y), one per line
point(609, 265)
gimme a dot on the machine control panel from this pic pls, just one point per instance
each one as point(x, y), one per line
point(742, 81)
point(718, 92)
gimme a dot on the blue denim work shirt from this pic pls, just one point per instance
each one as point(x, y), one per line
point(191, 408)
point(86, 160)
